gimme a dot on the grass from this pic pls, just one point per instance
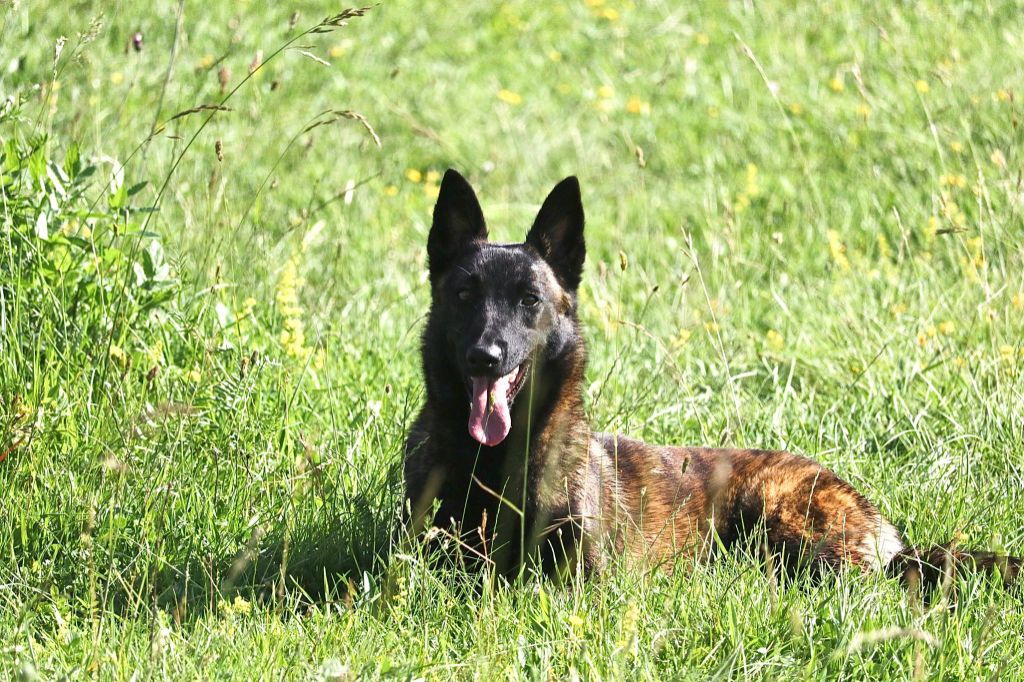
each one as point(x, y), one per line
point(804, 232)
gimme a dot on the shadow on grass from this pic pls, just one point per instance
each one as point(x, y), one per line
point(321, 559)
point(318, 558)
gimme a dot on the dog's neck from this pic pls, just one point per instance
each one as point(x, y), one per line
point(554, 391)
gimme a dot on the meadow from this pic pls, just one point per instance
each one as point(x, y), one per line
point(804, 227)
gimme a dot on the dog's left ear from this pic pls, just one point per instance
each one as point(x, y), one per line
point(557, 233)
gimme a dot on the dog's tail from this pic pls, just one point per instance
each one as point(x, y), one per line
point(927, 569)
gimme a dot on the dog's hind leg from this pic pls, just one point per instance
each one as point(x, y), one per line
point(805, 512)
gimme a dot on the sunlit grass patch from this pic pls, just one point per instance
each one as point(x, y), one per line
point(803, 229)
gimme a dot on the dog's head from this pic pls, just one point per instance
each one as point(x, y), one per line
point(502, 311)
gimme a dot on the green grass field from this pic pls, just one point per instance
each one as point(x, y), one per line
point(805, 231)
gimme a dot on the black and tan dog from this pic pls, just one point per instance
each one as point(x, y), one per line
point(502, 460)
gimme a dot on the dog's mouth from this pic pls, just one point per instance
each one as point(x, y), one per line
point(490, 402)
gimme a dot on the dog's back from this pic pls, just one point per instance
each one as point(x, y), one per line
point(678, 500)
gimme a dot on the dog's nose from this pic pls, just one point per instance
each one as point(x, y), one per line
point(483, 358)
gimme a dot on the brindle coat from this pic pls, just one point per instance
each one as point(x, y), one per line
point(555, 490)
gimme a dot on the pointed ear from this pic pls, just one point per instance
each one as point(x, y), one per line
point(557, 233)
point(458, 221)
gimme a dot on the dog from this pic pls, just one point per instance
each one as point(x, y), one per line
point(502, 463)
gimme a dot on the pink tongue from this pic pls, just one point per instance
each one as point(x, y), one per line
point(489, 424)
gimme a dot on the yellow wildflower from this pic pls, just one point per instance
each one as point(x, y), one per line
point(248, 305)
point(946, 328)
point(193, 376)
point(606, 92)
point(635, 105)
point(340, 49)
point(956, 147)
point(838, 251)
point(239, 606)
point(775, 340)
point(206, 61)
point(413, 175)
point(390, 191)
point(433, 177)
point(155, 353)
point(796, 108)
point(752, 189)
point(712, 111)
point(117, 78)
point(609, 14)
point(953, 180)
point(836, 84)
point(884, 249)
point(554, 55)
point(1003, 95)
point(864, 111)
point(998, 159)
point(703, 39)
point(1017, 302)
point(118, 355)
point(293, 333)
point(921, 86)
point(951, 211)
point(509, 97)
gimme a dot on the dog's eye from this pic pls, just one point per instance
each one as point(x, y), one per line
point(530, 300)
point(464, 294)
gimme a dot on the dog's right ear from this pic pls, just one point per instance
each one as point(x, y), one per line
point(458, 221)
